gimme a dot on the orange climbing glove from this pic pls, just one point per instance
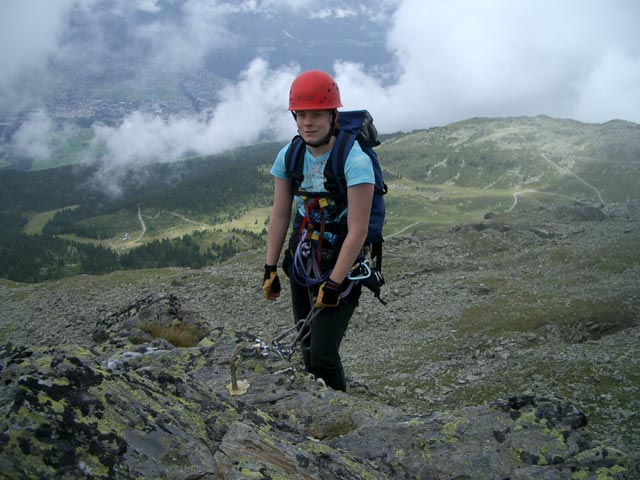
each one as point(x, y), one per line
point(271, 283)
point(328, 295)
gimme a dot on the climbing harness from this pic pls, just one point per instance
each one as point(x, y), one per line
point(316, 239)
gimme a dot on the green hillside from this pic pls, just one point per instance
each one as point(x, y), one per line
point(562, 157)
point(459, 172)
point(202, 210)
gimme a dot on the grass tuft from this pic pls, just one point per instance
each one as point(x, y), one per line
point(179, 335)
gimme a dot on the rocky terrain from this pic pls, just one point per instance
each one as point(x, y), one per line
point(508, 349)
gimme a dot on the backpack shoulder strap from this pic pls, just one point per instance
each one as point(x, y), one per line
point(335, 180)
point(294, 163)
point(356, 125)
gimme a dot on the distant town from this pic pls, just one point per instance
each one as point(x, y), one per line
point(93, 97)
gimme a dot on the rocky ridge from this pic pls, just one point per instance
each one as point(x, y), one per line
point(519, 334)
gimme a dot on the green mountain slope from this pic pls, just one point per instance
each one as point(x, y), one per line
point(441, 176)
point(565, 157)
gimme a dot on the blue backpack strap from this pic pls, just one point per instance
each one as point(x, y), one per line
point(294, 163)
point(335, 180)
point(356, 125)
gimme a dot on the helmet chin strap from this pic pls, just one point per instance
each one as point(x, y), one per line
point(326, 139)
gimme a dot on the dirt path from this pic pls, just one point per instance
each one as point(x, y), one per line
point(403, 230)
point(516, 195)
point(569, 172)
point(206, 225)
point(499, 178)
point(188, 220)
point(142, 224)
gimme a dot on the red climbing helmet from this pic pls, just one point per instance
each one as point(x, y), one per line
point(314, 90)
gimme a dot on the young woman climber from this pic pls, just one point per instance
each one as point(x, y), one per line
point(323, 246)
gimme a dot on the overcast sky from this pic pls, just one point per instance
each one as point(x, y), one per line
point(449, 60)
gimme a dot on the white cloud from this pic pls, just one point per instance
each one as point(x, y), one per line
point(451, 60)
point(34, 138)
point(612, 89)
point(39, 136)
point(459, 59)
point(184, 44)
point(149, 6)
point(372, 10)
point(287, 4)
point(250, 110)
point(30, 32)
point(333, 13)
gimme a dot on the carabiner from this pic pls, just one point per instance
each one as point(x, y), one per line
point(360, 276)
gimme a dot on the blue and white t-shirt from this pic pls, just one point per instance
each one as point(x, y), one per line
point(357, 170)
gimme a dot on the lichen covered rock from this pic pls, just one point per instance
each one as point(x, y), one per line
point(122, 408)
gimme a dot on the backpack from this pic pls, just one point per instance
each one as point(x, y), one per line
point(354, 126)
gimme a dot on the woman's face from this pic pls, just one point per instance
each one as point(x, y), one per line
point(313, 125)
